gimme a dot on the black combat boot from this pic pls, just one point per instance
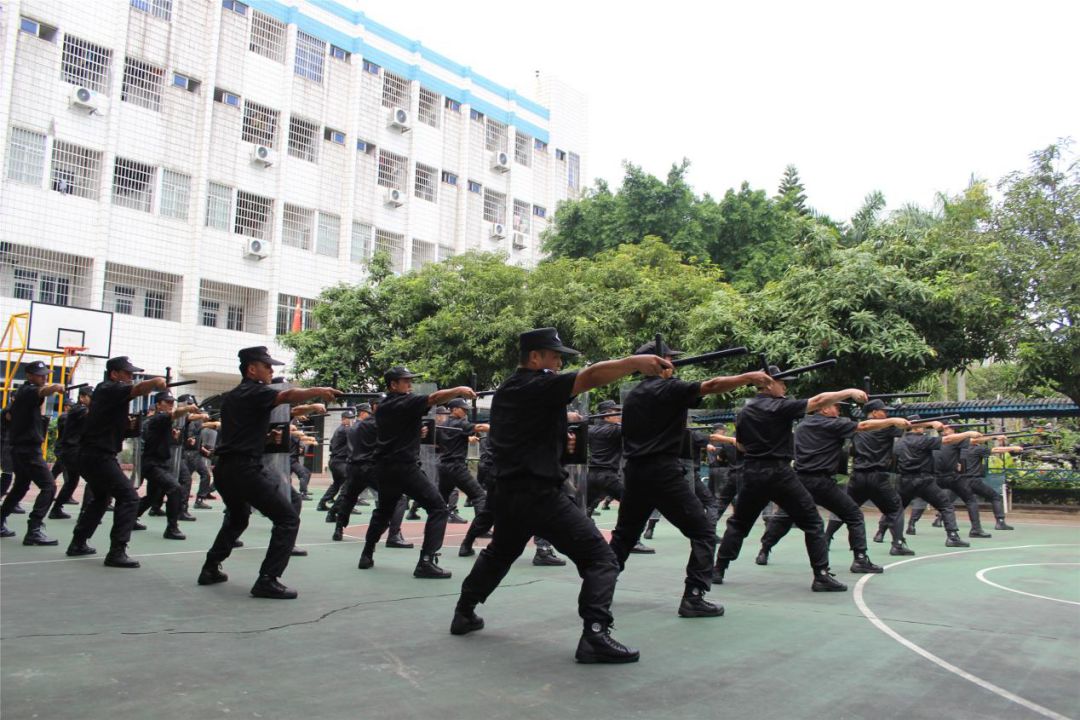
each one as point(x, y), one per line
point(978, 532)
point(186, 516)
point(57, 513)
point(642, 549)
point(762, 557)
point(268, 587)
point(900, 548)
point(79, 547)
point(597, 646)
point(322, 506)
point(862, 564)
point(35, 535)
point(465, 621)
point(339, 533)
point(455, 519)
point(396, 540)
point(879, 536)
point(138, 526)
point(649, 528)
point(910, 529)
point(718, 572)
point(201, 504)
point(937, 521)
point(1001, 525)
point(428, 568)
point(953, 540)
point(546, 556)
point(331, 516)
point(412, 514)
point(367, 557)
point(212, 574)
point(694, 604)
point(298, 552)
point(825, 581)
point(466, 549)
point(118, 558)
point(172, 532)
point(5, 531)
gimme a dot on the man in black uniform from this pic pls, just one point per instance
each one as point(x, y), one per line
point(69, 430)
point(947, 470)
point(453, 448)
point(528, 438)
point(724, 465)
point(25, 437)
point(297, 451)
point(244, 482)
point(397, 468)
point(339, 460)
point(605, 457)
point(654, 431)
point(915, 462)
point(819, 442)
point(763, 431)
point(972, 470)
point(484, 519)
point(192, 460)
point(107, 424)
point(157, 464)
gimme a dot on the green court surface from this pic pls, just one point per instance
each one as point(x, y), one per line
point(989, 632)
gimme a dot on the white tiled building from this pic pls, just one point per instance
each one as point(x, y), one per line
point(201, 167)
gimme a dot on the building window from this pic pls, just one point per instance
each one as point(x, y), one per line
point(33, 273)
point(267, 37)
point(495, 135)
point(445, 251)
point(75, 170)
point(361, 242)
point(339, 53)
point(475, 186)
point(476, 115)
point(123, 299)
point(25, 284)
point(254, 216)
point(573, 172)
point(539, 211)
point(218, 206)
point(85, 64)
point(54, 290)
point(158, 8)
point(235, 318)
point(154, 304)
point(335, 136)
point(521, 216)
point(142, 84)
point(296, 226)
point(395, 91)
point(188, 83)
point(226, 97)
point(26, 156)
point(522, 149)
point(38, 29)
point(287, 308)
point(494, 206)
point(209, 312)
point(329, 237)
point(365, 147)
point(560, 154)
point(175, 194)
point(429, 107)
point(393, 244)
point(452, 105)
point(302, 136)
point(310, 56)
point(539, 145)
point(393, 170)
point(133, 184)
point(232, 307)
point(449, 178)
point(235, 5)
point(260, 124)
point(370, 67)
point(425, 182)
point(423, 253)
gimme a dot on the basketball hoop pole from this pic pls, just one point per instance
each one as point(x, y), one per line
point(13, 340)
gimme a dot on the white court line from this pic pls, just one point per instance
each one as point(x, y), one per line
point(981, 575)
point(985, 684)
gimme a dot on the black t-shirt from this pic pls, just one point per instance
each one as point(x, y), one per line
point(528, 423)
point(763, 427)
point(654, 416)
point(245, 419)
point(873, 449)
point(362, 437)
point(26, 425)
point(192, 429)
point(819, 440)
point(339, 445)
point(972, 457)
point(398, 420)
point(107, 420)
point(157, 438)
point(485, 451)
point(947, 457)
point(605, 446)
point(295, 451)
point(453, 445)
point(915, 454)
point(74, 424)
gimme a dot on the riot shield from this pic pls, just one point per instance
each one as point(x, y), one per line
point(278, 462)
point(577, 463)
point(428, 457)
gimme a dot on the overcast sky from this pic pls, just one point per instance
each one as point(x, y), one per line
point(910, 98)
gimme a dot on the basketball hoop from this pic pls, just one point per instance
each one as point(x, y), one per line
point(74, 349)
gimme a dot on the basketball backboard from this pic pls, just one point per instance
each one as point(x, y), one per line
point(55, 327)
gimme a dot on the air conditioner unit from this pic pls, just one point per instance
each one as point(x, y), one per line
point(86, 99)
point(256, 248)
point(262, 155)
point(498, 231)
point(400, 120)
point(395, 198)
point(519, 241)
point(500, 162)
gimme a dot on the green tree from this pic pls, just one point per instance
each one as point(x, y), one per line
point(792, 194)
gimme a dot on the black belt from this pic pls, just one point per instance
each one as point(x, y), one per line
point(768, 462)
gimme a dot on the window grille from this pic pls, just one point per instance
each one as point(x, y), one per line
point(286, 313)
point(85, 64)
point(521, 216)
point(394, 245)
point(423, 253)
point(267, 37)
point(260, 124)
point(425, 182)
point(495, 135)
point(26, 156)
point(142, 84)
point(329, 235)
point(234, 318)
point(254, 216)
point(231, 307)
point(208, 312)
point(33, 273)
point(296, 226)
point(395, 91)
point(360, 250)
point(303, 139)
point(429, 107)
point(446, 251)
point(310, 56)
point(494, 206)
point(175, 194)
point(393, 170)
point(75, 170)
point(145, 293)
point(218, 206)
point(573, 172)
point(158, 8)
point(522, 149)
point(133, 184)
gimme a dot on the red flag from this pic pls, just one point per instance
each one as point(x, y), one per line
point(298, 317)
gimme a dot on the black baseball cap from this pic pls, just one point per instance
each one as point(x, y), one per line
point(544, 339)
point(873, 405)
point(259, 353)
point(398, 372)
point(458, 403)
point(186, 397)
point(36, 367)
point(913, 418)
point(350, 413)
point(649, 348)
point(87, 390)
point(442, 410)
point(363, 407)
point(608, 406)
point(121, 363)
point(164, 396)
